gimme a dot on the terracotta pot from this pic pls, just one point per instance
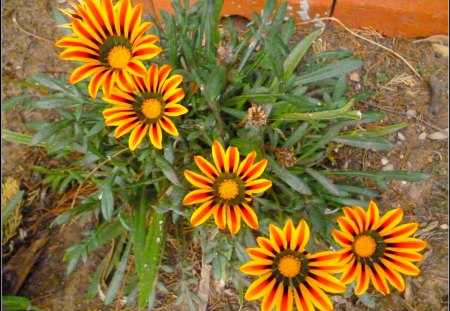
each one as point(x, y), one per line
point(392, 18)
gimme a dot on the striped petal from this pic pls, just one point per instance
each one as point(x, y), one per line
point(203, 212)
point(277, 237)
point(197, 196)
point(392, 276)
point(347, 225)
point(287, 301)
point(220, 217)
point(317, 296)
point(232, 159)
point(198, 180)
point(257, 186)
point(174, 110)
point(288, 231)
point(352, 269)
point(257, 267)
point(272, 298)
point(303, 235)
point(325, 281)
point(261, 287)
point(97, 80)
point(218, 155)
point(233, 219)
point(411, 244)
point(255, 170)
point(137, 135)
point(84, 71)
point(378, 278)
point(207, 168)
point(372, 215)
point(302, 301)
point(342, 238)
point(267, 244)
point(398, 233)
point(248, 216)
point(401, 265)
point(168, 126)
point(155, 135)
point(353, 216)
point(391, 219)
point(257, 253)
point(362, 282)
point(246, 164)
point(125, 127)
point(174, 96)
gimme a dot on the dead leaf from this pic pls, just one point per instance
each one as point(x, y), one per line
point(441, 39)
point(203, 288)
point(19, 266)
point(441, 50)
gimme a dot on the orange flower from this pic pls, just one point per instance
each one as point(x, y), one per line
point(226, 189)
point(109, 39)
point(377, 249)
point(289, 273)
point(147, 108)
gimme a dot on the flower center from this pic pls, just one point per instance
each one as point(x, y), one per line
point(152, 108)
point(364, 246)
point(119, 57)
point(289, 266)
point(228, 189)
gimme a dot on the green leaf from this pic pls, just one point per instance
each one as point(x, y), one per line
point(364, 140)
point(166, 168)
point(408, 176)
point(48, 131)
point(11, 206)
point(340, 88)
point(325, 182)
point(107, 199)
point(297, 135)
point(116, 282)
point(298, 52)
point(54, 102)
point(325, 139)
point(16, 303)
point(324, 115)
point(14, 101)
point(152, 255)
point(335, 69)
point(93, 285)
point(239, 114)
point(296, 183)
point(367, 300)
point(48, 82)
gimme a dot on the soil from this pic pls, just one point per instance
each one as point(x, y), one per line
point(28, 36)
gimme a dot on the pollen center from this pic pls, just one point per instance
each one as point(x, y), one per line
point(364, 246)
point(289, 266)
point(151, 108)
point(119, 57)
point(228, 189)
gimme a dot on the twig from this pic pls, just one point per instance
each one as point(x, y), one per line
point(405, 114)
point(365, 39)
point(14, 19)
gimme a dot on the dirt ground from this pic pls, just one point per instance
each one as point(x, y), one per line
point(28, 36)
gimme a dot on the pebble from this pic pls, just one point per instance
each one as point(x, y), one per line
point(422, 136)
point(384, 161)
point(411, 113)
point(444, 226)
point(388, 167)
point(401, 137)
point(354, 76)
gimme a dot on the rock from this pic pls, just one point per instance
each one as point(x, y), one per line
point(400, 136)
point(422, 136)
point(354, 76)
point(439, 135)
point(388, 167)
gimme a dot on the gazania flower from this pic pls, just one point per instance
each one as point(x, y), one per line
point(109, 39)
point(147, 108)
point(226, 188)
point(377, 249)
point(289, 273)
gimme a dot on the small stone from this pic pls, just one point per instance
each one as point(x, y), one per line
point(438, 135)
point(422, 136)
point(384, 161)
point(354, 76)
point(388, 167)
point(411, 113)
point(444, 227)
point(400, 136)
point(401, 156)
